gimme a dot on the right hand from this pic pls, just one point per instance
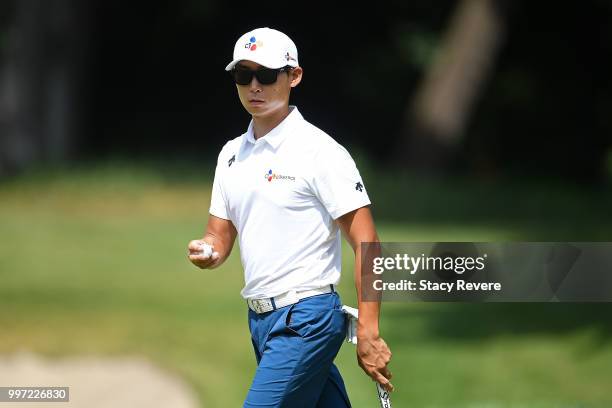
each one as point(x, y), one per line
point(198, 258)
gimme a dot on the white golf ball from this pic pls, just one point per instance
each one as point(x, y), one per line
point(206, 249)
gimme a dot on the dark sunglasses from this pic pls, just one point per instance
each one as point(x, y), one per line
point(265, 76)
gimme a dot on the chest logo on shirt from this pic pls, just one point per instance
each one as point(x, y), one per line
point(270, 175)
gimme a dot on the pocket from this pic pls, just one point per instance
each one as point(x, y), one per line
point(295, 321)
point(340, 322)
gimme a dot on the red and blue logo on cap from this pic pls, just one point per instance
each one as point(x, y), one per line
point(253, 43)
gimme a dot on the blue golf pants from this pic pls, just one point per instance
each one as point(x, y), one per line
point(295, 347)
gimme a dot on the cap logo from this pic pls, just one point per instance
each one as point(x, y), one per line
point(253, 44)
point(288, 57)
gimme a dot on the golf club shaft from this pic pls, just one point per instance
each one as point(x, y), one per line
point(383, 396)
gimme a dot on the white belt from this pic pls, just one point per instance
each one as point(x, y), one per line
point(265, 305)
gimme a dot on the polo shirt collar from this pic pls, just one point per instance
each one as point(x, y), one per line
point(276, 136)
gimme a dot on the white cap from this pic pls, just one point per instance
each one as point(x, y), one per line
point(267, 47)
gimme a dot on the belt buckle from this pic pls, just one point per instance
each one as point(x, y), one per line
point(260, 305)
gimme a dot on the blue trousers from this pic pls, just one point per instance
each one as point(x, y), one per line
point(295, 347)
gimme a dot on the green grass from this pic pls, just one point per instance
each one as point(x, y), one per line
point(93, 262)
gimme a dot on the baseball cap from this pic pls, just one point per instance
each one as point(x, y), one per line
point(267, 47)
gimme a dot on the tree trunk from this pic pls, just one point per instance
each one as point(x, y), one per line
point(437, 116)
point(39, 80)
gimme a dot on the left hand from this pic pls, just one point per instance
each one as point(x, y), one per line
point(373, 355)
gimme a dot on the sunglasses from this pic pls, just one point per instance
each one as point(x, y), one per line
point(265, 76)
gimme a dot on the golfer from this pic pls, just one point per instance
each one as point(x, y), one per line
point(288, 190)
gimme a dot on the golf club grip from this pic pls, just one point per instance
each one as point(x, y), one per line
point(383, 396)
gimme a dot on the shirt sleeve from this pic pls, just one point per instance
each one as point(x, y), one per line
point(218, 202)
point(337, 182)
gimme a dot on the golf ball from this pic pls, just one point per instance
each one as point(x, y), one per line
point(206, 249)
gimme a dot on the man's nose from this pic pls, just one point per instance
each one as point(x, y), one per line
point(254, 85)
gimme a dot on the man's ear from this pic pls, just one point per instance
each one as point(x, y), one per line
point(296, 76)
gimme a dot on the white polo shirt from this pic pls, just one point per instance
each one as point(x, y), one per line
point(283, 192)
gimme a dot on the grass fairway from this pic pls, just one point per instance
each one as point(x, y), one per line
point(94, 263)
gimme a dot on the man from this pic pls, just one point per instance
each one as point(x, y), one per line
point(287, 189)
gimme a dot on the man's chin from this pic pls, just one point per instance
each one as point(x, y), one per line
point(258, 112)
point(264, 110)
